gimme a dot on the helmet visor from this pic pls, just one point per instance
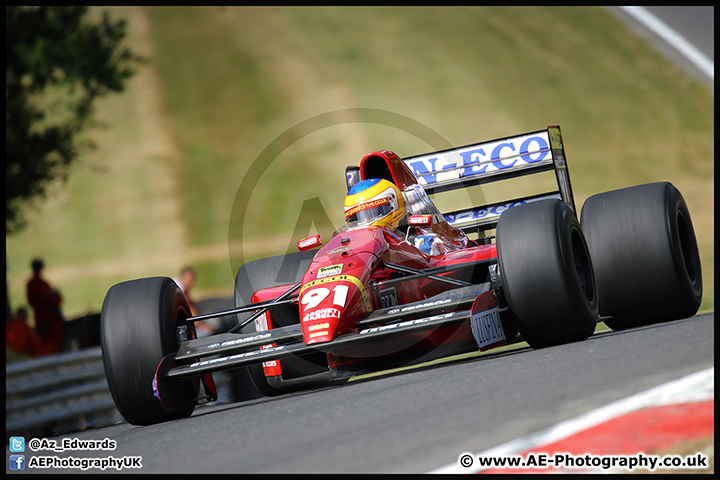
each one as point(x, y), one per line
point(368, 212)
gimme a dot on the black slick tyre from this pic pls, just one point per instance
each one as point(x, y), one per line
point(250, 382)
point(139, 327)
point(546, 273)
point(645, 255)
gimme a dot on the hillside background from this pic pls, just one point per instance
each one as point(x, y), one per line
point(281, 99)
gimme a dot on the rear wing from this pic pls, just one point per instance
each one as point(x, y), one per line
point(491, 161)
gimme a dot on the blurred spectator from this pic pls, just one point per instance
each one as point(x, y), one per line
point(45, 302)
point(186, 281)
point(21, 338)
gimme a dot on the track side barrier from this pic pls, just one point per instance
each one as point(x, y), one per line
point(57, 394)
point(67, 392)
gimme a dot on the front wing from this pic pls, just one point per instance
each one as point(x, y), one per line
point(238, 350)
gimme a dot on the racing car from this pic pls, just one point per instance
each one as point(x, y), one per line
point(402, 282)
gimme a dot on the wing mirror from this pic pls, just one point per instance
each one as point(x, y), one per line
point(308, 243)
point(352, 176)
point(420, 220)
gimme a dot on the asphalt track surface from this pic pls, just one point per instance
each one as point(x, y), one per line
point(694, 24)
point(418, 420)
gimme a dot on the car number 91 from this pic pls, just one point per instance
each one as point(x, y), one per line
point(312, 298)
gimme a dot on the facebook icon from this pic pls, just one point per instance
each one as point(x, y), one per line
point(17, 462)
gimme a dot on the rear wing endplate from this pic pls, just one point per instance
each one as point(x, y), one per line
point(492, 161)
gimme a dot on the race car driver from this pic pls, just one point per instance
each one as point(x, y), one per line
point(378, 202)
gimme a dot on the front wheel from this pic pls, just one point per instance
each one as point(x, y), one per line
point(250, 382)
point(139, 327)
point(546, 272)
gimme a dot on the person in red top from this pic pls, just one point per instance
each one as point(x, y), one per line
point(21, 338)
point(186, 281)
point(45, 302)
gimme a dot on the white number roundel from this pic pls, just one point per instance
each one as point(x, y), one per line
point(312, 298)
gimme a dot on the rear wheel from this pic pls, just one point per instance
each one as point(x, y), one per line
point(646, 259)
point(139, 327)
point(546, 273)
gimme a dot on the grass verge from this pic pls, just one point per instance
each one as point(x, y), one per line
point(223, 82)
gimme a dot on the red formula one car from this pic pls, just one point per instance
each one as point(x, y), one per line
point(402, 282)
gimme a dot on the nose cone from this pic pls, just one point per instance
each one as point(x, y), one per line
point(320, 324)
point(333, 296)
point(330, 306)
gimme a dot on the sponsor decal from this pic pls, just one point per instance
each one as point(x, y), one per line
point(237, 356)
point(309, 242)
point(487, 329)
point(318, 326)
point(321, 313)
point(239, 341)
point(421, 220)
point(330, 270)
point(424, 305)
point(481, 158)
point(262, 322)
point(271, 368)
point(365, 206)
point(318, 334)
point(474, 215)
point(555, 138)
point(408, 323)
point(338, 250)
